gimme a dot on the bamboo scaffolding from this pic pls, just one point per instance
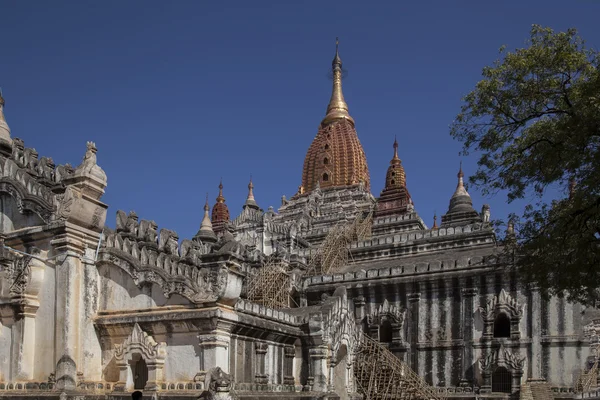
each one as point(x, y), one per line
point(380, 375)
point(587, 380)
point(271, 286)
point(334, 253)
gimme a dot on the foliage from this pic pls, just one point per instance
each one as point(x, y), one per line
point(534, 121)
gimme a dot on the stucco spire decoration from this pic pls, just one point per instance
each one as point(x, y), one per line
point(335, 158)
point(250, 202)
point(460, 210)
point(394, 198)
point(5, 139)
point(337, 108)
point(220, 212)
point(89, 174)
point(435, 225)
point(206, 232)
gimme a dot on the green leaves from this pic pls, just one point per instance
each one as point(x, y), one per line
point(534, 120)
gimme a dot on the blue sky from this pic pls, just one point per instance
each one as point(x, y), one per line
point(178, 94)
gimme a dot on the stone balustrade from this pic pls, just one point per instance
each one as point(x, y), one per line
point(265, 312)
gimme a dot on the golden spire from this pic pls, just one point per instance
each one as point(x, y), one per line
point(435, 225)
point(220, 198)
point(395, 159)
point(337, 108)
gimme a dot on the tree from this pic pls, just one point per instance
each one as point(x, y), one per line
point(534, 122)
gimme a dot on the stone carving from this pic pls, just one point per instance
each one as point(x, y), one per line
point(19, 272)
point(65, 201)
point(148, 231)
point(140, 341)
point(502, 357)
point(89, 160)
point(387, 311)
point(153, 353)
point(216, 380)
point(503, 302)
point(168, 242)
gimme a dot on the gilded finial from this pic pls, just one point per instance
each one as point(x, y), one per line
point(337, 108)
point(395, 159)
point(220, 198)
point(435, 226)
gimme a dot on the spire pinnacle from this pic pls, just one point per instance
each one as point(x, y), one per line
point(435, 225)
point(395, 159)
point(206, 232)
point(220, 198)
point(250, 202)
point(206, 206)
point(337, 108)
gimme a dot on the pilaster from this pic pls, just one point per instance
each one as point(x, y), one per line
point(214, 348)
point(468, 326)
point(536, 333)
point(414, 300)
point(289, 352)
point(260, 349)
point(319, 369)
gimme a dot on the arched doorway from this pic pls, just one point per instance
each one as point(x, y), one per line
point(502, 326)
point(140, 374)
point(501, 380)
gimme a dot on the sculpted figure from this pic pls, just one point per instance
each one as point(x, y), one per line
point(148, 231)
point(168, 242)
point(89, 160)
point(121, 221)
point(63, 171)
point(45, 168)
point(485, 213)
point(18, 151)
point(216, 380)
point(31, 159)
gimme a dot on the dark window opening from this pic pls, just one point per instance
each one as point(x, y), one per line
point(385, 332)
point(326, 160)
point(502, 326)
point(140, 374)
point(325, 177)
point(393, 174)
point(326, 146)
point(393, 181)
point(501, 381)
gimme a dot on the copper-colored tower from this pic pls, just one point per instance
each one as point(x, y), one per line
point(335, 158)
point(394, 198)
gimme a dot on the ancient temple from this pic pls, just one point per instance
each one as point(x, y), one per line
point(261, 303)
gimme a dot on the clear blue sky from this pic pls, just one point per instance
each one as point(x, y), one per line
point(179, 94)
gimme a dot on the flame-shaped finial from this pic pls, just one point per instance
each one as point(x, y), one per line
point(337, 108)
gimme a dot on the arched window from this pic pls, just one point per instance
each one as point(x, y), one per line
point(385, 332)
point(501, 381)
point(502, 326)
point(326, 146)
point(326, 160)
point(393, 182)
point(140, 374)
point(325, 177)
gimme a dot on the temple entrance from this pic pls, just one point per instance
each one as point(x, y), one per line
point(140, 374)
point(501, 380)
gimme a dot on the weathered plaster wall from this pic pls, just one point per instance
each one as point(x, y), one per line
point(119, 292)
point(183, 356)
point(10, 217)
point(45, 321)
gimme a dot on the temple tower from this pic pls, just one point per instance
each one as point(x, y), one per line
point(335, 158)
